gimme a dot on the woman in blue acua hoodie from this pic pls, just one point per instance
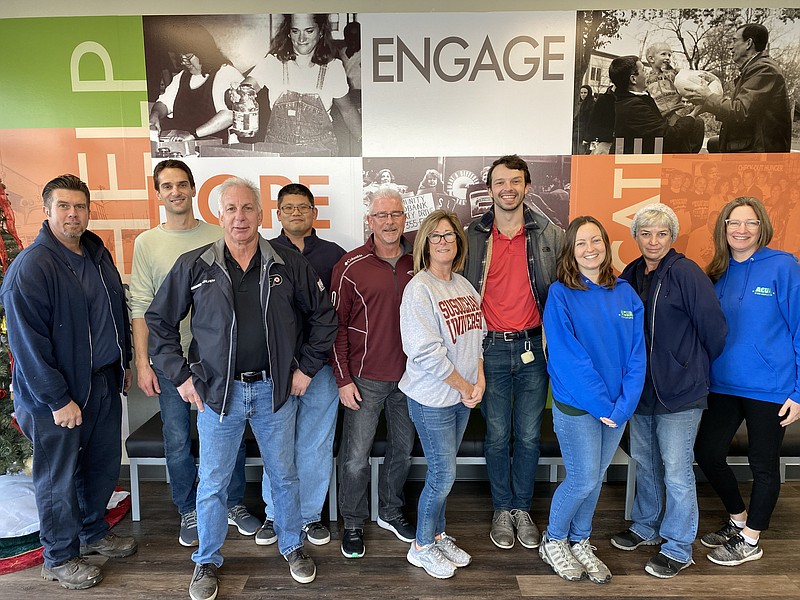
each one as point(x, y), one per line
point(755, 379)
point(595, 335)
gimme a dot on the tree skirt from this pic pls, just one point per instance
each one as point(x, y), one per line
point(25, 551)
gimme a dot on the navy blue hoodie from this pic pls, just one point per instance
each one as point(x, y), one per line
point(686, 330)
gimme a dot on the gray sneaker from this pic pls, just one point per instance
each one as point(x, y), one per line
point(596, 569)
point(266, 535)
point(447, 546)
point(431, 559)
point(317, 533)
point(188, 533)
point(502, 533)
point(301, 566)
point(112, 546)
point(735, 552)
point(75, 574)
point(246, 523)
point(558, 555)
point(629, 540)
point(205, 582)
point(527, 533)
point(720, 536)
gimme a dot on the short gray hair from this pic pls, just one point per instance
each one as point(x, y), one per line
point(384, 192)
point(654, 215)
point(237, 182)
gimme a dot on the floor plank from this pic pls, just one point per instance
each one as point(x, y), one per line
point(162, 568)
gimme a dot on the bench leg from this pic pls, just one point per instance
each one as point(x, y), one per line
point(333, 509)
point(134, 469)
point(375, 464)
point(630, 488)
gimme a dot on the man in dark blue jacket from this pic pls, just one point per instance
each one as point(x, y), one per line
point(685, 331)
point(69, 332)
point(262, 327)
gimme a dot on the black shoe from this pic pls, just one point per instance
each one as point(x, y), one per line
point(317, 533)
point(353, 543)
point(399, 526)
point(664, 567)
point(112, 546)
point(630, 540)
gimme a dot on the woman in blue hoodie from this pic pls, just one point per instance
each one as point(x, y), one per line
point(595, 336)
point(755, 379)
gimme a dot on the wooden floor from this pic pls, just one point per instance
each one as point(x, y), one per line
point(162, 568)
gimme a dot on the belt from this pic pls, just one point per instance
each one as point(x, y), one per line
point(104, 368)
point(251, 376)
point(508, 336)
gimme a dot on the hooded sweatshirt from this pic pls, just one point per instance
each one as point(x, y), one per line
point(761, 301)
point(595, 338)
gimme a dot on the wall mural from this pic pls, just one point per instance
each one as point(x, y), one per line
point(346, 103)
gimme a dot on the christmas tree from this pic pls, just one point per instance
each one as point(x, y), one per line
point(14, 448)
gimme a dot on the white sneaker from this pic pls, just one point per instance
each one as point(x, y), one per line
point(432, 560)
point(595, 568)
point(447, 546)
point(558, 555)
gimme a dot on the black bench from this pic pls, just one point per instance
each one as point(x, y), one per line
point(145, 446)
point(469, 453)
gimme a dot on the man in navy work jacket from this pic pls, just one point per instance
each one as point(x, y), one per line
point(69, 332)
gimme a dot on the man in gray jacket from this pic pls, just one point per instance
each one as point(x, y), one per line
point(248, 360)
point(511, 262)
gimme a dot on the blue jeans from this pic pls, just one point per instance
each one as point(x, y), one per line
point(587, 447)
point(357, 436)
point(181, 465)
point(75, 470)
point(663, 448)
point(313, 446)
point(508, 377)
point(440, 431)
point(219, 439)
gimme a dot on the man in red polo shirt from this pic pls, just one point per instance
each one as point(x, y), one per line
point(511, 262)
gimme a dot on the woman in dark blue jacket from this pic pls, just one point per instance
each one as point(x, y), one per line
point(685, 331)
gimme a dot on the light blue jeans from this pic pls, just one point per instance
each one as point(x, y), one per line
point(440, 431)
point(587, 447)
point(219, 443)
point(663, 448)
point(507, 378)
point(313, 446)
point(176, 418)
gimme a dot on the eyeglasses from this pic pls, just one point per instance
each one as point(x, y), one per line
point(449, 237)
point(382, 216)
point(187, 57)
point(736, 223)
point(303, 209)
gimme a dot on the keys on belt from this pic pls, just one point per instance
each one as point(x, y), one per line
point(251, 376)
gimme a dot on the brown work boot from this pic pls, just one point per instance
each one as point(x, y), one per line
point(112, 546)
point(75, 574)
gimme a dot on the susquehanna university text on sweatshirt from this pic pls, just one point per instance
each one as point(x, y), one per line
point(595, 340)
point(442, 329)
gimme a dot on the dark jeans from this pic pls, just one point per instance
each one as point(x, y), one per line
point(514, 401)
point(357, 437)
point(764, 438)
point(75, 470)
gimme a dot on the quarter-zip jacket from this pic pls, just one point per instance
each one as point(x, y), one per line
point(686, 329)
point(542, 243)
point(291, 295)
point(366, 292)
point(48, 322)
